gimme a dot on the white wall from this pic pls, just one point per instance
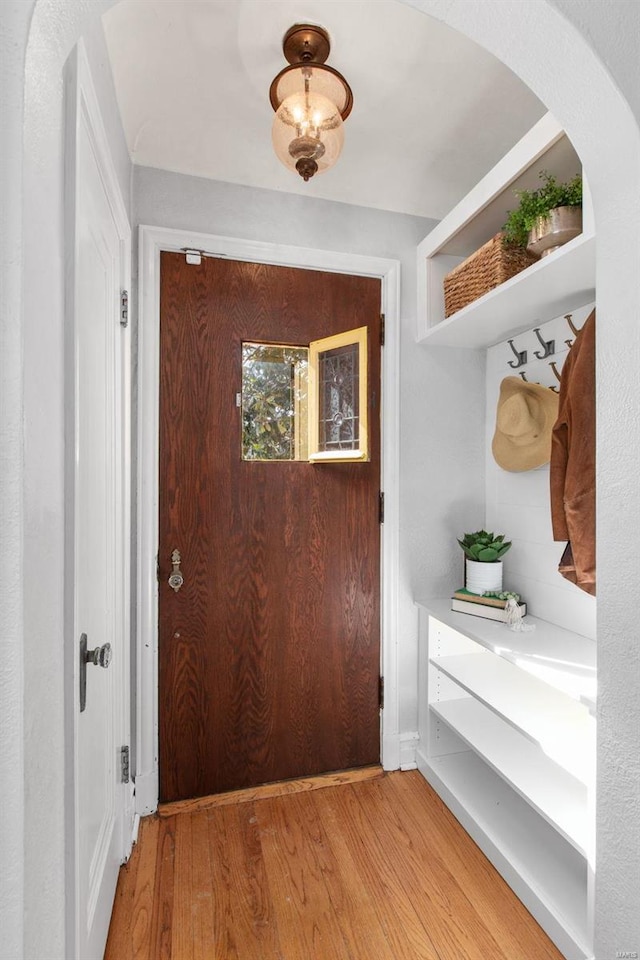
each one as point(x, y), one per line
point(165, 199)
point(13, 41)
point(568, 69)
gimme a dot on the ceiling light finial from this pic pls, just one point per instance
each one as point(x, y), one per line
point(311, 101)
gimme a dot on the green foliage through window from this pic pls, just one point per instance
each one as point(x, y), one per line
point(274, 402)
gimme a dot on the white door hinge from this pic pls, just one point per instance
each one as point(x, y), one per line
point(124, 764)
point(124, 308)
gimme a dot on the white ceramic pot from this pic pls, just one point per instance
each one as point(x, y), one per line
point(484, 576)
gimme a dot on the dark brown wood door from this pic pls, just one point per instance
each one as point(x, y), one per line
point(270, 651)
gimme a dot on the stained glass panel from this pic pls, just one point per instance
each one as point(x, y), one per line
point(339, 372)
point(338, 422)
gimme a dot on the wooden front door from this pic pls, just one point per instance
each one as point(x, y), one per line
point(270, 651)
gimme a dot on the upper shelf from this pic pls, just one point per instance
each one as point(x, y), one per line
point(562, 659)
point(561, 281)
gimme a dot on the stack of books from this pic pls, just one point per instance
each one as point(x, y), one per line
point(491, 608)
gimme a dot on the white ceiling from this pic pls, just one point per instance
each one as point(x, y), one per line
point(432, 111)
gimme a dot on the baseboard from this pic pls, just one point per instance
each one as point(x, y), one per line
point(408, 747)
point(399, 751)
point(146, 794)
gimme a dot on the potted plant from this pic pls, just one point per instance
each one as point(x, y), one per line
point(547, 217)
point(484, 552)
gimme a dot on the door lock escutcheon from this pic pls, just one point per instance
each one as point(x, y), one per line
point(99, 656)
point(176, 579)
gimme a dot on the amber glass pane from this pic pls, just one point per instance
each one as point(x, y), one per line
point(274, 399)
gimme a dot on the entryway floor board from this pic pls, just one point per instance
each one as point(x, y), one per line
point(376, 869)
point(268, 790)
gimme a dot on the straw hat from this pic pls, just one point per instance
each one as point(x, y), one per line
point(524, 421)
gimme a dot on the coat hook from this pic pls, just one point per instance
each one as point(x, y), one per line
point(549, 346)
point(574, 329)
point(521, 357)
point(524, 376)
point(552, 364)
point(569, 343)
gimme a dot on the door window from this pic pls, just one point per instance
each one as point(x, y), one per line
point(338, 397)
point(306, 403)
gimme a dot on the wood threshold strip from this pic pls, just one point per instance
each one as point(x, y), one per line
point(270, 790)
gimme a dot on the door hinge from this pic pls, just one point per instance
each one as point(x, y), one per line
point(382, 331)
point(381, 508)
point(381, 693)
point(124, 764)
point(124, 308)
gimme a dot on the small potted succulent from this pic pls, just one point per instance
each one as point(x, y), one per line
point(547, 217)
point(484, 552)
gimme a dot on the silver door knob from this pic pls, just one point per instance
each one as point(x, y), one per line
point(100, 656)
point(176, 579)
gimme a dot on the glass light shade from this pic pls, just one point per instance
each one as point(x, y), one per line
point(308, 130)
point(310, 101)
point(318, 78)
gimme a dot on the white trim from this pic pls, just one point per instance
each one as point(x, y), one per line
point(83, 114)
point(151, 241)
point(400, 751)
point(409, 750)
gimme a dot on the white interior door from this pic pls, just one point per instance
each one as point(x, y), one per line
point(101, 543)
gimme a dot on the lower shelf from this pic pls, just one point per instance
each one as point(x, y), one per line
point(554, 793)
point(547, 874)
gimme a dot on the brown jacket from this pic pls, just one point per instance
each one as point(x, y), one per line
point(573, 462)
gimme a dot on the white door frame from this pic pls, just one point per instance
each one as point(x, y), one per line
point(152, 240)
point(83, 118)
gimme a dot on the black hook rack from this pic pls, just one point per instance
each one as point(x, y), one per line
point(521, 357)
point(549, 346)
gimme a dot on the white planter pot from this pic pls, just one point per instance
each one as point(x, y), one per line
point(484, 576)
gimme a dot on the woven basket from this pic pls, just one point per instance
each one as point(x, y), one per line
point(485, 269)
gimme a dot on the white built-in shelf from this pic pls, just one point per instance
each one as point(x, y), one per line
point(560, 726)
point(548, 875)
point(559, 282)
point(553, 792)
point(507, 739)
point(565, 661)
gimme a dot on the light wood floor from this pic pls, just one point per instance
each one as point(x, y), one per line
point(373, 870)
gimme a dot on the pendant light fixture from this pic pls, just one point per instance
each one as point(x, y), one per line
point(311, 101)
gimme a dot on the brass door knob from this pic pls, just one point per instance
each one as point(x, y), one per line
point(176, 579)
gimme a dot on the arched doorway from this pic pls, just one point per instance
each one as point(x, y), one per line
point(532, 39)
